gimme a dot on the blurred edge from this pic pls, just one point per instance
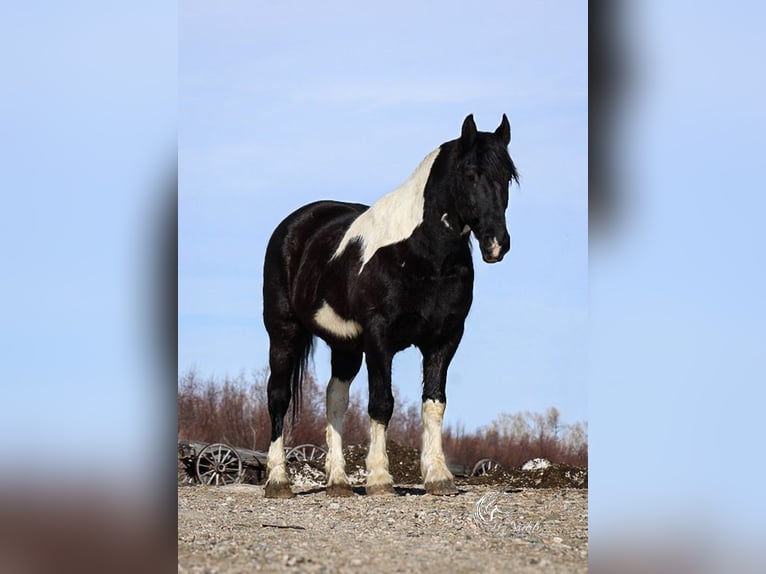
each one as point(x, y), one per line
point(607, 69)
point(88, 117)
point(166, 260)
point(118, 515)
point(81, 531)
point(683, 507)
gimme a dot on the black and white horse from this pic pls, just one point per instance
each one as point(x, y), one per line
point(371, 281)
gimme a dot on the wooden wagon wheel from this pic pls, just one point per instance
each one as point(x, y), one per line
point(484, 467)
point(218, 464)
point(306, 452)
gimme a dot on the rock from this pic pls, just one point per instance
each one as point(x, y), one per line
point(536, 464)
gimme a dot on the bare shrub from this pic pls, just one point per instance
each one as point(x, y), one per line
point(235, 411)
point(232, 411)
point(512, 439)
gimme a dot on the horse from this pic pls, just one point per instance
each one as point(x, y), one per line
point(373, 280)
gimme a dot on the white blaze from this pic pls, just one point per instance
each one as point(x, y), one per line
point(432, 464)
point(495, 247)
point(394, 217)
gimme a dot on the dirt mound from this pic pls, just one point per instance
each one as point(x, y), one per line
point(403, 462)
point(553, 476)
point(404, 465)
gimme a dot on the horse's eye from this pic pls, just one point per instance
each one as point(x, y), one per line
point(472, 178)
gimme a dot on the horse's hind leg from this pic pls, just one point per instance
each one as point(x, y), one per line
point(286, 352)
point(345, 366)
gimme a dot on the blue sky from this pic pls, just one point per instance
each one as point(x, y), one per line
point(279, 107)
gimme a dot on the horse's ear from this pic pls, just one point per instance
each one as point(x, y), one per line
point(504, 131)
point(468, 134)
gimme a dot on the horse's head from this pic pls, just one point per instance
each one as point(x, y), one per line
point(484, 171)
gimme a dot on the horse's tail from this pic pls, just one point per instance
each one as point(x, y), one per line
point(305, 350)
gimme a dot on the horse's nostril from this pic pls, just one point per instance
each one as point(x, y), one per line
point(491, 248)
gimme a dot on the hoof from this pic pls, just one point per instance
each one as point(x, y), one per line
point(441, 488)
point(278, 490)
point(380, 489)
point(339, 490)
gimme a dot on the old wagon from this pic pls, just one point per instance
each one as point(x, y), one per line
point(218, 463)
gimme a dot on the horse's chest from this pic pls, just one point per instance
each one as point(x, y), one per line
point(429, 295)
point(421, 307)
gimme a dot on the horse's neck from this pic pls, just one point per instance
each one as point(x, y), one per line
point(440, 213)
point(442, 234)
point(394, 217)
point(439, 239)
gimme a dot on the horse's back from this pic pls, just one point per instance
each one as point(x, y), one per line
point(302, 225)
point(322, 221)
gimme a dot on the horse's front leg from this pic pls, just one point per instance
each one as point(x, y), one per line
point(380, 408)
point(436, 476)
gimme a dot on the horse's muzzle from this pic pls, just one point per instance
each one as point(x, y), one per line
point(492, 249)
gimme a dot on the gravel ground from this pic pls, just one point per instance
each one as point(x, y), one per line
point(486, 528)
